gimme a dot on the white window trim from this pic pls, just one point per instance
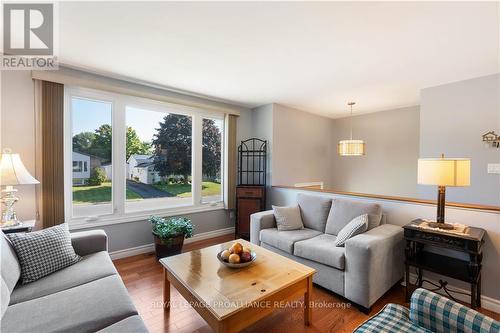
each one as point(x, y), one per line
point(118, 202)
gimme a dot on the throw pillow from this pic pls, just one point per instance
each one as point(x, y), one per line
point(43, 252)
point(344, 210)
point(314, 210)
point(288, 218)
point(357, 226)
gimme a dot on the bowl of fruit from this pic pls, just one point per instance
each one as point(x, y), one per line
point(237, 256)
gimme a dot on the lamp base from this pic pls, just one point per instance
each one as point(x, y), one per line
point(9, 216)
point(441, 225)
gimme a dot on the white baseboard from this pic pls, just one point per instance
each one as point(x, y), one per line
point(147, 248)
point(487, 303)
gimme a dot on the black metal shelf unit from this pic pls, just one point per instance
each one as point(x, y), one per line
point(252, 162)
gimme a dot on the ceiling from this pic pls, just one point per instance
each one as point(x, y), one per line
point(311, 56)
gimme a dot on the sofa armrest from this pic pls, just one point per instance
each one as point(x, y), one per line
point(437, 313)
point(259, 221)
point(88, 242)
point(374, 262)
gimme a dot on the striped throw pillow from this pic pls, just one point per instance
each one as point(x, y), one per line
point(357, 226)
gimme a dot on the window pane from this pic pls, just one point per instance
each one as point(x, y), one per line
point(91, 141)
point(158, 171)
point(211, 190)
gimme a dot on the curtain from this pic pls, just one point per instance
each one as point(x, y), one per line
point(52, 152)
point(231, 164)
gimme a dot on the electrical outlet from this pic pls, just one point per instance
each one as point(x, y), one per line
point(493, 168)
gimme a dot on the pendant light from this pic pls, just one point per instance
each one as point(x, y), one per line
point(351, 147)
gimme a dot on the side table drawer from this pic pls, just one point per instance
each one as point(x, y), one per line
point(249, 192)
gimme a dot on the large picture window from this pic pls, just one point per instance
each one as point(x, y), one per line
point(128, 157)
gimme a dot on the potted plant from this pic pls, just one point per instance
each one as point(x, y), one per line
point(169, 234)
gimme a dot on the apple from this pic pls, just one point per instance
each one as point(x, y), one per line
point(234, 258)
point(225, 255)
point(237, 248)
point(246, 249)
point(246, 257)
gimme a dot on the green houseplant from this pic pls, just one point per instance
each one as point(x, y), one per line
point(169, 234)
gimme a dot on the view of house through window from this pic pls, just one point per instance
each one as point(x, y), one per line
point(212, 160)
point(91, 156)
point(158, 158)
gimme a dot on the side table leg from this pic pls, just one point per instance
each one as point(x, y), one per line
point(407, 283)
point(166, 291)
point(473, 298)
point(478, 292)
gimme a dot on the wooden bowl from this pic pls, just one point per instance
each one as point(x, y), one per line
point(240, 265)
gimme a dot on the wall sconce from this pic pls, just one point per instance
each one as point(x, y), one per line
point(492, 138)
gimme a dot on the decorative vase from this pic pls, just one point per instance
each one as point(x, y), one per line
point(166, 247)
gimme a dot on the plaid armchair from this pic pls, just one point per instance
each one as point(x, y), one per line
point(429, 312)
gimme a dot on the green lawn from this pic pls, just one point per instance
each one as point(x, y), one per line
point(184, 190)
point(102, 193)
point(94, 194)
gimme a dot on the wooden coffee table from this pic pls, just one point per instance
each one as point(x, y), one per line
point(232, 299)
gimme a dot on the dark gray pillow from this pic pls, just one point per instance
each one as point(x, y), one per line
point(43, 252)
point(344, 210)
point(314, 210)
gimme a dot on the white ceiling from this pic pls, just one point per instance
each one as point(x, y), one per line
point(311, 56)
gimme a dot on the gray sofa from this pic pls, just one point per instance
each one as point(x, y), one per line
point(88, 296)
point(362, 271)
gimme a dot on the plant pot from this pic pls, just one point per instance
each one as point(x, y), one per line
point(166, 247)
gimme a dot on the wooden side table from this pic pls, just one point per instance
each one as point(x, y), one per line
point(26, 226)
point(467, 270)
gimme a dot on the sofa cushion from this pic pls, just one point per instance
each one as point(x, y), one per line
point(314, 210)
point(284, 240)
point(43, 252)
point(86, 308)
point(4, 297)
point(288, 218)
point(357, 226)
point(90, 268)
point(132, 324)
point(344, 210)
point(10, 268)
point(321, 249)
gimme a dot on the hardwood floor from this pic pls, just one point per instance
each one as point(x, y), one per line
point(143, 277)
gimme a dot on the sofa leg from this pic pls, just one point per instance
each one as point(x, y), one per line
point(366, 311)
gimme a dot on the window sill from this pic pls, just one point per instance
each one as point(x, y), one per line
point(80, 223)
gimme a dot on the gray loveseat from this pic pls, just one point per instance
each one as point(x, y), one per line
point(362, 271)
point(88, 296)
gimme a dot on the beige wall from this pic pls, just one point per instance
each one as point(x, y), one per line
point(453, 118)
point(392, 145)
point(302, 147)
point(18, 131)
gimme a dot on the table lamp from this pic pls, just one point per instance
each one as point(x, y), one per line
point(443, 172)
point(12, 172)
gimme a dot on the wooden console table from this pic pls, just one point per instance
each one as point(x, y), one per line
point(467, 270)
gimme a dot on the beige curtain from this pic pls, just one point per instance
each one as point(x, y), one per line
point(52, 162)
point(232, 162)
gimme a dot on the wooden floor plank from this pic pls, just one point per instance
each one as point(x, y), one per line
point(143, 277)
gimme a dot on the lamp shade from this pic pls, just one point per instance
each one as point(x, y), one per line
point(13, 172)
point(444, 171)
point(351, 148)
